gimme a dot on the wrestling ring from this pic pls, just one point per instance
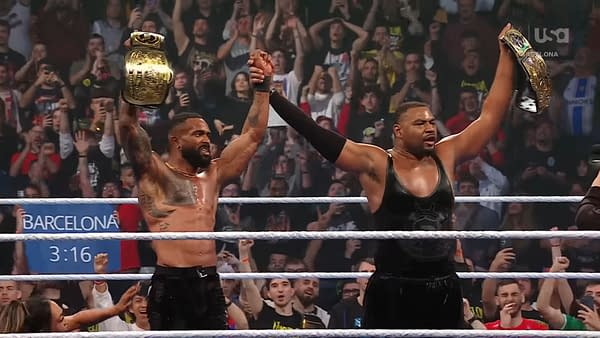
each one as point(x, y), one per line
point(322, 275)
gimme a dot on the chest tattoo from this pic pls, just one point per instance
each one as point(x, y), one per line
point(182, 192)
point(147, 204)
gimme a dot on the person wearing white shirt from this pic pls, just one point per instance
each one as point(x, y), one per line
point(325, 94)
point(491, 182)
point(103, 299)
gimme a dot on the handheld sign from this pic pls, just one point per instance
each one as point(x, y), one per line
point(70, 256)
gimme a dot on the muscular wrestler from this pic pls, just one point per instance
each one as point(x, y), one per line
point(410, 188)
point(181, 195)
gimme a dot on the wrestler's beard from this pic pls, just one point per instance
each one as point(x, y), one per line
point(195, 158)
point(421, 151)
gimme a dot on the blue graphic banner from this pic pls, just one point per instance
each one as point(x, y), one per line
point(70, 256)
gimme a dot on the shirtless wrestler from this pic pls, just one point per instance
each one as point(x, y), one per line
point(182, 195)
point(410, 188)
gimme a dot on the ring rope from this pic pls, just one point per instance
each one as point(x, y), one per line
point(271, 235)
point(319, 333)
point(289, 200)
point(299, 275)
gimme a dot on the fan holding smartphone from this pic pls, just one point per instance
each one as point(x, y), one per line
point(588, 312)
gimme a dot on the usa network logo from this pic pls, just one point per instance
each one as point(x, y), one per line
point(551, 42)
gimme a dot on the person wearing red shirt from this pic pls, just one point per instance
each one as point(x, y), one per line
point(35, 149)
point(469, 111)
point(509, 299)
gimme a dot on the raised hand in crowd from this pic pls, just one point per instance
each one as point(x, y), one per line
point(81, 143)
point(101, 263)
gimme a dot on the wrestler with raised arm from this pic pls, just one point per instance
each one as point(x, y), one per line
point(409, 187)
point(181, 195)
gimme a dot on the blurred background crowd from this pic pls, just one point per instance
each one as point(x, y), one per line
point(347, 64)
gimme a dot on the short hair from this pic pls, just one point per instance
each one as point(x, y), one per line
point(504, 282)
point(34, 187)
point(126, 166)
point(405, 107)
point(4, 23)
point(269, 280)
point(368, 260)
point(372, 89)
point(180, 119)
point(296, 261)
point(592, 283)
point(467, 178)
point(371, 59)
point(468, 89)
point(278, 178)
point(96, 36)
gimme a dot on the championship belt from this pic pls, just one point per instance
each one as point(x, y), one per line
point(148, 75)
point(535, 87)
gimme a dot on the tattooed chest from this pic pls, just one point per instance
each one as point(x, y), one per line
point(163, 204)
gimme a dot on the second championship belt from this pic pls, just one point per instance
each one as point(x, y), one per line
point(535, 87)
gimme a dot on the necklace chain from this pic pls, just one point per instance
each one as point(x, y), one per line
point(179, 171)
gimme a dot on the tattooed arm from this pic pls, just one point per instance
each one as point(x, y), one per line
point(236, 156)
point(135, 142)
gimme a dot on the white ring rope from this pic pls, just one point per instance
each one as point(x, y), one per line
point(271, 235)
point(298, 275)
point(289, 200)
point(318, 333)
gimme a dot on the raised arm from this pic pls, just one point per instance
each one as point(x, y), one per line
point(363, 36)
point(181, 38)
point(236, 156)
point(314, 32)
point(552, 316)
point(135, 141)
point(82, 145)
point(248, 286)
point(350, 156)
point(470, 141)
point(93, 316)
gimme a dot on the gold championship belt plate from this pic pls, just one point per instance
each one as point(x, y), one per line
point(148, 75)
point(534, 94)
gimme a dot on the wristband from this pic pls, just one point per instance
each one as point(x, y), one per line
point(265, 86)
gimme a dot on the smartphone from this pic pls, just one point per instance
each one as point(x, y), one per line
point(587, 301)
point(505, 243)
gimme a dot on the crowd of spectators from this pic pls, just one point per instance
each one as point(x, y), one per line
point(347, 64)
